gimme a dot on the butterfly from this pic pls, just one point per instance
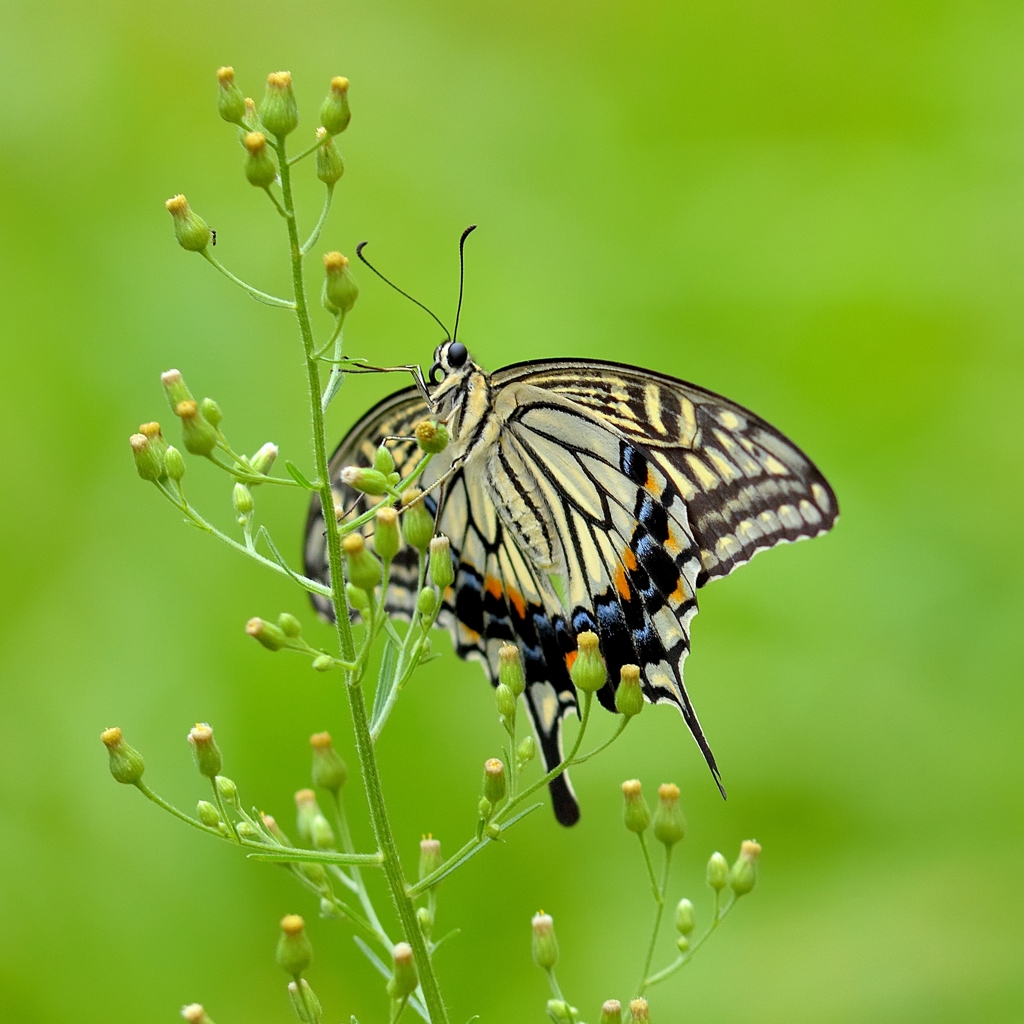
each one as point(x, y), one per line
point(582, 495)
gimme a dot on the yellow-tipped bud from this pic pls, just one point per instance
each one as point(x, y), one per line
point(270, 636)
point(329, 770)
point(403, 978)
point(430, 856)
point(205, 750)
point(494, 781)
point(387, 539)
point(363, 568)
point(611, 1012)
point(635, 814)
point(639, 1012)
point(544, 943)
point(126, 764)
point(417, 522)
point(329, 165)
point(335, 114)
point(629, 696)
point(149, 460)
point(230, 101)
point(191, 231)
point(743, 874)
point(260, 169)
point(442, 574)
point(588, 671)
point(669, 826)
point(432, 436)
point(279, 111)
point(199, 436)
point(510, 669)
point(294, 951)
point(340, 290)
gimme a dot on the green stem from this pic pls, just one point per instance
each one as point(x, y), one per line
point(650, 868)
point(171, 809)
point(686, 957)
point(364, 897)
point(270, 300)
point(275, 201)
point(357, 702)
point(315, 233)
point(306, 152)
point(660, 909)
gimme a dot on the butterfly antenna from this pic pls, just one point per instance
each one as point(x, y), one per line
point(462, 274)
point(359, 253)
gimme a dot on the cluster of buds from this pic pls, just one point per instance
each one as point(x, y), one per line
point(669, 826)
point(742, 876)
point(286, 635)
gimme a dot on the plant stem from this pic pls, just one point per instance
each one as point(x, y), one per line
point(660, 909)
point(270, 300)
point(357, 702)
point(685, 958)
point(315, 233)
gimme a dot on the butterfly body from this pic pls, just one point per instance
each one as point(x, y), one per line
point(583, 495)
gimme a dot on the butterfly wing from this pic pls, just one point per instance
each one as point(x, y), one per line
point(497, 596)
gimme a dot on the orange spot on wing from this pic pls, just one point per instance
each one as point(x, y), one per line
point(518, 603)
point(672, 545)
point(651, 486)
point(621, 583)
point(679, 594)
point(570, 660)
point(629, 559)
point(493, 586)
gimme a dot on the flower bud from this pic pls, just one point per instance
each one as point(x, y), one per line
point(356, 598)
point(322, 663)
point(588, 671)
point(424, 920)
point(289, 625)
point(743, 874)
point(384, 461)
point(335, 114)
point(510, 669)
point(638, 1012)
point(156, 438)
point(272, 637)
point(279, 111)
point(260, 169)
point(426, 602)
point(126, 764)
point(417, 522)
point(506, 701)
point(329, 770)
point(340, 290)
point(211, 412)
point(175, 389)
point(329, 165)
point(190, 229)
point(271, 825)
point(315, 874)
point(207, 814)
point(527, 750)
point(304, 1002)
point(430, 856)
point(363, 568)
point(227, 789)
point(629, 697)
point(200, 438)
point(306, 809)
point(241, 498)
point(561, 1012)
point(387, 540)
point(366, 481)
point(294, 951)
point(205, 750)
point(321, 834)
point(718, 872)
point(174, 463)
point(230, 101)
point(611, 1012)
point(684, 917)
point(442, 575)
point(494, 781)
point(432, 436)
point(484, 807)
point(195, 1014)
point(669, 826)
point(545, 945)
point(263, 460)
point(403, 979)
point(635, 814)
point(248, 832)
point(149, 460)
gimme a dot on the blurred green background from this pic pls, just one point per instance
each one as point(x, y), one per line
point(813, 207)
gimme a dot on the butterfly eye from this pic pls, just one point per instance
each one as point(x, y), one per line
point(457, 355)
point(433, 375)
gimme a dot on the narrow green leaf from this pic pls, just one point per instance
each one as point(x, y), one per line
point(385, 684)
point(296, 474)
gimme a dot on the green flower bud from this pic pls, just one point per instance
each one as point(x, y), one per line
point(683, 944)
point(545, 945)
point(195, 1014)
point(274, 829)
point(639, 1012)
point(200, 438)
point(174, 463)
point(510, 669)
point(294, 951)
point(205, 750)
point(635, 815)
point(684, 917)
point(228, 790)
point(279, 111)
point(669, 826)
point(329, 165)
point(156, 438)
point(190, 229)
point(387, 539)
point(629, 697)
point(315, 874)
point(492, 830)
point(174, 388)
point(289, 625)
point(417, 522)
point(423, 919)
point(340, 290)
point(506, 701)
point(306, 809)
point(588, 671)
point(248, 832)
point(611, 1012)
point(430, 856)
point(321, 833)
point(322, 663)
point(484, 807)
point(561, 1012)
point(743, 874)
point(363, 568)
point(426, 602)
point(403, 978)
point(384, 461)
point(149, 460)
point(208, 814)
point(211, 412)
point(304, 1002)
point(494, 781)
point(527, 750)
point(241, 498)
point(718, 872)
point(272, 637)
point(263, 460)
point(357, 598)
point(329, 770)
point(260, 169)
point(431, 436)
point(442, 575)
point(366, 481)
point(230, 101)
point(335, 114)
point(250, 119)
point(126, 764)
